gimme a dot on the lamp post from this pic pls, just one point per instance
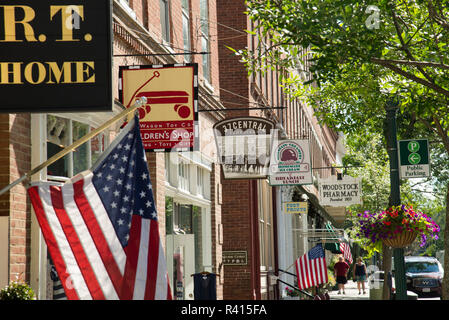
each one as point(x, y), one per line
point(391, 107)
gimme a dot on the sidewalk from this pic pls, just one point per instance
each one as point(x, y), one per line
point(352, 293)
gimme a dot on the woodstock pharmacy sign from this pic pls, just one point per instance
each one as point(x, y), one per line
point(340, 193)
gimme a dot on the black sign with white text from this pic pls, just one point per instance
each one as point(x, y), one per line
point(55, 55)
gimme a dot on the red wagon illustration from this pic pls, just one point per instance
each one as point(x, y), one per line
point(178, 99)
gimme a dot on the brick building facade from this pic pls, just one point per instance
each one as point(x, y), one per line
point(252, 209)
point(199, 218)
point(145, 33)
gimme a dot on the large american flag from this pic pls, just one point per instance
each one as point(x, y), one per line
point(346, 250)
point(101, 227)
point(311, 268)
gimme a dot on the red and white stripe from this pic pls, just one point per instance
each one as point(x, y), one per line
point(310, 272)
point(87, 254)
point(346, 250)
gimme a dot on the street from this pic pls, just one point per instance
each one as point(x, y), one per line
point(352, 293)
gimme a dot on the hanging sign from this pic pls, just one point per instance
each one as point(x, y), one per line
point(55, 56)
point(244, 146)
point(340, 193)
point(414, 158)
point(169, 119)
point(290, 163)
point(300, 207)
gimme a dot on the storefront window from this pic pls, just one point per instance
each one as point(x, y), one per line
point(58, 137)
point(188, 221)
point(266, 246)
point(81, 156)
point(61, 133)
point(186, 231)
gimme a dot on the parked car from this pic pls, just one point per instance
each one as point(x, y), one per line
point(424, 275)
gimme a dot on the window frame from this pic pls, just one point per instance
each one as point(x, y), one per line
point(205, 39)
point(186, 30)
point(164, 6)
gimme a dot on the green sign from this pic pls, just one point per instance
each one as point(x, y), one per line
point(414, 158)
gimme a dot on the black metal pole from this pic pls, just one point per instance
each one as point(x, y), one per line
point(392, 107)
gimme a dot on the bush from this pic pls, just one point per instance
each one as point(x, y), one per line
point(17, 291)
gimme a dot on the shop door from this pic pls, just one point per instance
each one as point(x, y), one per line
point(182, 249)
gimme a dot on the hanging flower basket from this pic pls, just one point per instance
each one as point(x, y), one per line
point(400, 240)
point(396, 227)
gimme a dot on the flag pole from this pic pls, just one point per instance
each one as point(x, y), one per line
point(76, 144)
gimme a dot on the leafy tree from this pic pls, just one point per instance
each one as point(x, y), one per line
point(360, 53)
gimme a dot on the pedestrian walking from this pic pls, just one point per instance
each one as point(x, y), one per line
point(341, 269)
point(359, 274)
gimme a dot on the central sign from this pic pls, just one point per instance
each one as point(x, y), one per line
point(55, 56)
point(244, 146)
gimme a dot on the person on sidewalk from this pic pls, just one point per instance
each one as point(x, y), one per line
point(359, 274)
point(341, 274)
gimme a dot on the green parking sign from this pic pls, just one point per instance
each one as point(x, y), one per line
point(414, 158)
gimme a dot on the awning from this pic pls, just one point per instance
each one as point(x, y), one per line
point(333, 247)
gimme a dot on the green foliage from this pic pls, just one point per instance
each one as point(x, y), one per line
point(348, 34)
point(367, 158)
point(17, 291)
point(347, 57)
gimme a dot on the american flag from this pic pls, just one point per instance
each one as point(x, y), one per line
point(311, 268)
point(346, 250)
point(101, 227)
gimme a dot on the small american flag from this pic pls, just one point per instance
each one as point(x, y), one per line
point(311, 268)
point(346, 250)
point(101, 227)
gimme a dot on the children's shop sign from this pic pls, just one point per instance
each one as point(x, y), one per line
point(169, 119)
point(55, 55)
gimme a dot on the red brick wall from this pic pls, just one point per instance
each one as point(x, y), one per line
point(15, 161)
point(233, 75)
point(236, 217)
point(236, 208)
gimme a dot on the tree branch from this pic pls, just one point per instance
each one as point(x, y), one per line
point(405, 46)
point(434, 15)
point(410, 76)
point(417, 63)
point(441, 132)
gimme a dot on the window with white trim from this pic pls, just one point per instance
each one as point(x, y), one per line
point(204, 16)
point(186, 29)
point(183, 175)
point(165, 19)
point(62, 132)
